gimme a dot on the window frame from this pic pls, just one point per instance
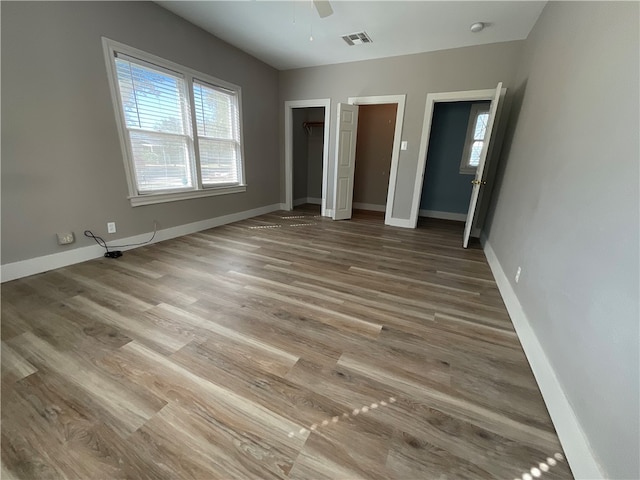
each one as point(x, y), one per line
point(476, 110)
point(111, 48)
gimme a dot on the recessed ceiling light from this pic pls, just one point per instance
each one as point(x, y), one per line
point(477, 27)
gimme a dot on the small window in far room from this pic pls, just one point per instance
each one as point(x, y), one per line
point(475, 138)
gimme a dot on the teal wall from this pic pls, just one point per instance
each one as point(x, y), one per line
point(445, 189)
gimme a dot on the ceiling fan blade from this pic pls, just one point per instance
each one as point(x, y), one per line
point(323, 7)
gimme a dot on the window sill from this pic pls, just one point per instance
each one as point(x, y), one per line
point(151, 199)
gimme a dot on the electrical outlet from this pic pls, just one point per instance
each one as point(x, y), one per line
point(111, 227)
point(65, 238)
point(518, 272)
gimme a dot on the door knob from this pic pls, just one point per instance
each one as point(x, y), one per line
point(478, 182)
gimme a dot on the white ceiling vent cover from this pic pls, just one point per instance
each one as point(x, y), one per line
point(357, 38)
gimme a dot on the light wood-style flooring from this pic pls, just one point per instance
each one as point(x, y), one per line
point(284, 346)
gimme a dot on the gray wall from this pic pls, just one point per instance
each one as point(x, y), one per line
point(445, 189)
point(374, 147)
point(567, 211)
point(467, 68)
point(62, 165)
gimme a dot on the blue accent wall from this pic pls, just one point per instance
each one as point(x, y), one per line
point(445, 189)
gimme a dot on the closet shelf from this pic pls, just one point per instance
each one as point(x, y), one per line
point(309, 126)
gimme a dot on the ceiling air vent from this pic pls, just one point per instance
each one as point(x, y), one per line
point(356, 38)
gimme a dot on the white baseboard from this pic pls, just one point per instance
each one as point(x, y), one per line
point(24, 268)
point(372, 207)
point(574, 442)
point(311, 200)
point(459, 217)
point(399, 222)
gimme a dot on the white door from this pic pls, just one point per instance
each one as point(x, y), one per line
point(345, 160)
point(477, 181)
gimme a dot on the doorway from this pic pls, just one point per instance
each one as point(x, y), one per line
point(374, 149)
point(346, 138)
point(446, 190)
point(488, 148)
point(308, 146)
point(306, 152)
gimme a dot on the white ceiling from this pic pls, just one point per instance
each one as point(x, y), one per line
point(278, 32)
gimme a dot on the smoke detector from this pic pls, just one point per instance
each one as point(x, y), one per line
point(357, 38)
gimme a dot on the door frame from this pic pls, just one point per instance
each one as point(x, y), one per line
point(400, 100)
point(432, 99)
point(289, 105)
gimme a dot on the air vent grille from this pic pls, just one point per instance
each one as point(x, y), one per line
point(357, 38)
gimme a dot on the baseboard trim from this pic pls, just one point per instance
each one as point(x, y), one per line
point(574, 442)
point(399, 222)
point(32, 266)
point(311, 200)
point(372, 207)
point(458, 217)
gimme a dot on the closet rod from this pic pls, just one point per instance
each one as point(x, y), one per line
point(309, 126)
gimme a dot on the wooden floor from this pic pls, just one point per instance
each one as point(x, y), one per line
point(285, 346)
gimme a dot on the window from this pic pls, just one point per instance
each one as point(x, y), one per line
point(475, 138)
point(180, 129)
point(218, 125)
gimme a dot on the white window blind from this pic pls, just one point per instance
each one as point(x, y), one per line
point(218, 126)
point(155, 111)
point(181, 130)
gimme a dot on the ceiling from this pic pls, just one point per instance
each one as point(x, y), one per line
point(278, 32)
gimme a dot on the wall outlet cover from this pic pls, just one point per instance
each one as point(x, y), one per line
point(65, 238)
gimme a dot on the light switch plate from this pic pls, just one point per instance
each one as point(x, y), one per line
point(403, 145)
